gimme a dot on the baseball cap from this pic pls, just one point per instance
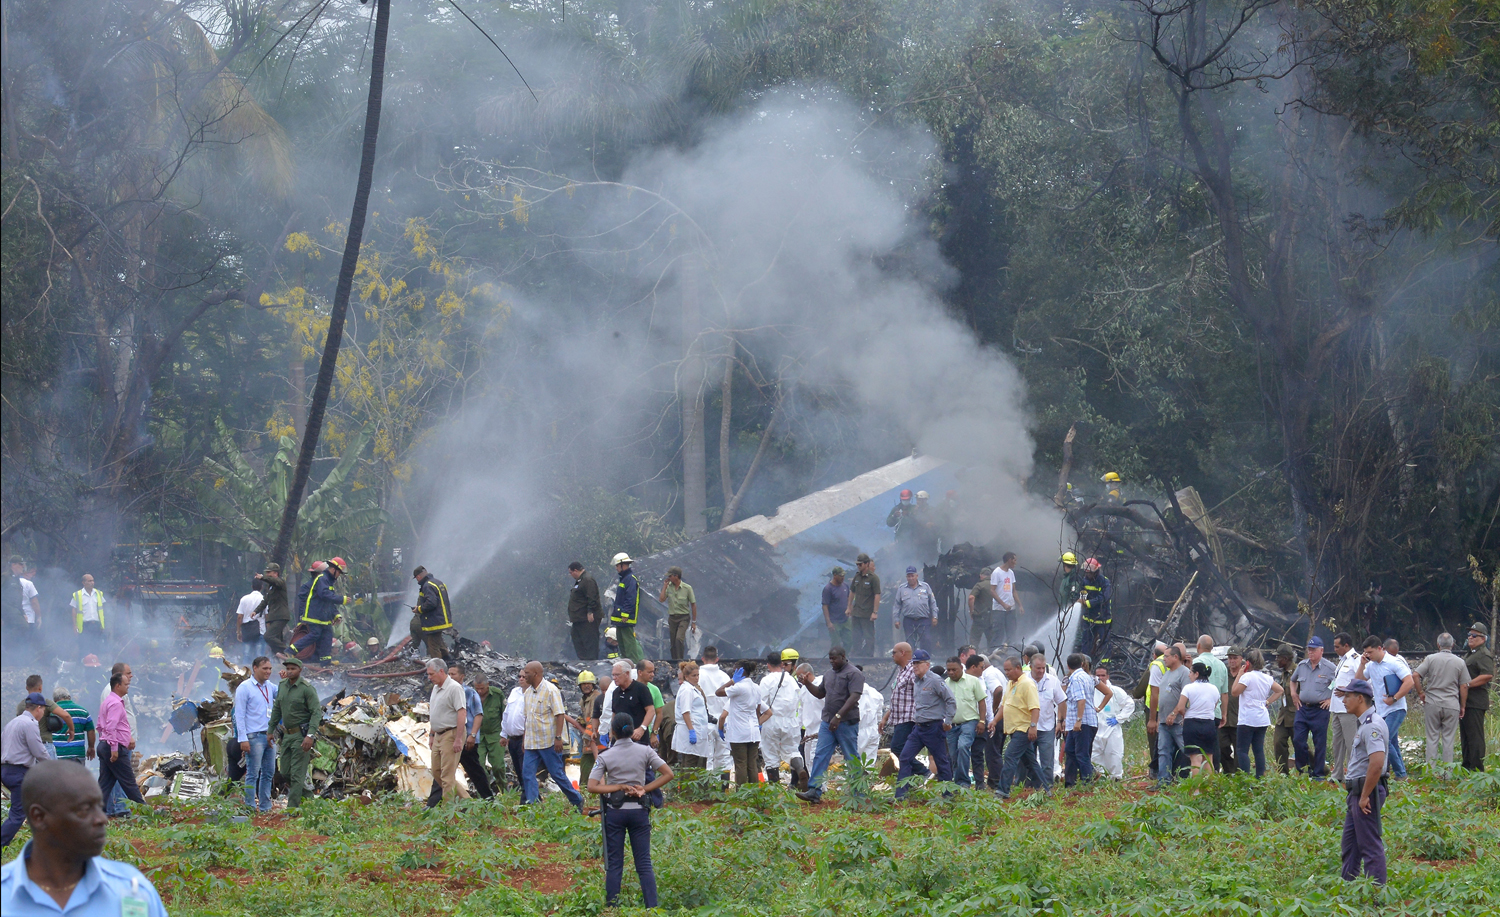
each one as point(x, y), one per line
point(292, 662)
point(1237, 651)
point(1315, 643)
point(1359, 686)
point(862, 558)
point(1478, 627)
point(837, 571)
point(911, 569)
point(35, 699)
point(917, 656)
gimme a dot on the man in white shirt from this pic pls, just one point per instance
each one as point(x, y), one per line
point(871, 708)
point(711, 678)
point(1392, 680)
point(994, 746)
point(1006, 616)
point(811, 717)
point(252, 716)
point(1343, 725)
point(88, 616)
point(741, 725)
point(1115, 709)
point(782, 733)
point(20, 609)
point(250, 628)
point(513, 728)
point(1051, 695)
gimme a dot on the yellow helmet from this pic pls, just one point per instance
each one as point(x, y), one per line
point(789, 655)
point(1111, 478)
point(215, 652)
point(1070, 558)
point(587, 678)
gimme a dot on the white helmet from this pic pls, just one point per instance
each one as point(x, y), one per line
point(622, 558)
point(610, 634)
point(921, 495)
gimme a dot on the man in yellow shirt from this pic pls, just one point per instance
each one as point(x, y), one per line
point(1018, 716)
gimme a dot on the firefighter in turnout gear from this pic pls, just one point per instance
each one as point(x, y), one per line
point(1070, 589)
point(1112, 484)
point(319, 604)
point(1097, 617)
point(627, 609)
point(432, 617)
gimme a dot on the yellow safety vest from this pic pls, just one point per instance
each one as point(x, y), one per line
point(78, 610)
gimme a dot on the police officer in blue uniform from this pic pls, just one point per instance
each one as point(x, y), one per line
point(1364, 778)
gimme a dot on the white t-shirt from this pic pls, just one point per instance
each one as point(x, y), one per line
point(1050, 693)
point(742, 722)
point(711, 678)
point(91, 598)
point(248, 603)
point(1342, 675)
point(513, 720)
point(28, 592)
point(993, 678)
point(1202, 700)
point(1253, 710)
point(1003, 586)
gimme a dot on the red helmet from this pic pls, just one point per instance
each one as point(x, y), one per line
point(339, 562)
point(318, 566)
point(906, 495)
point(1091, 566)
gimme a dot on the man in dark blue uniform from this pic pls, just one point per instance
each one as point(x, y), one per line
point(1097, 617)
point(627, 609)
point(1364, 778)
point(318, 604)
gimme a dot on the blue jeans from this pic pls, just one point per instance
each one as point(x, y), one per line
point(1245, 739)
point(1079, 749)
point(114, 803)
point(637, 823)
point(1393, 721)
point(552, 762)
point(846, 738)
point(960, 748)
point(899, 734)
point(260, 770)
point(918, 632)
point(12, 775)
point(927, 735)
point(1168, 744)
point(1020, 755)
point(1046, 756)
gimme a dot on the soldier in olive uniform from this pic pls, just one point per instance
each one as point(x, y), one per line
point(297, 712)
point(1286, 716)
point(1481, 664)
point(1364, 778)
point(864, 606)
point(274, 607)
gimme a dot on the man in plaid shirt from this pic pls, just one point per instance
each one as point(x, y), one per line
point(901, 707)
point(1081, 723)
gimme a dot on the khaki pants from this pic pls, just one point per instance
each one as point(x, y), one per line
point(445, 765)
point(677, 626)
point(1341, 732)
point(1442, 730)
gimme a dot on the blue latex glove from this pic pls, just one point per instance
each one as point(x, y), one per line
point(692, 737)
point(1112, 721)
point(739, 675)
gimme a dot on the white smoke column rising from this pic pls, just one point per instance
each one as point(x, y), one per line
point(814, 234)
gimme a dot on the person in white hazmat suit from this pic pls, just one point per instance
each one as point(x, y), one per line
point(871, 709)
point(812, 715)
point(1115, 707)
point(711, 678)
point(781, 735)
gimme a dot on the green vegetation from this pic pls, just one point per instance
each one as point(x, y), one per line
point(1216, 847)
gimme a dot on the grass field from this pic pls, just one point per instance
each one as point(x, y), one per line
point(1217, 846)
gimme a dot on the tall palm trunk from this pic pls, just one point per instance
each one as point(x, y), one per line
point(341, 293)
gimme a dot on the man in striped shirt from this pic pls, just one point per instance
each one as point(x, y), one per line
point(1081, 723)
point(80, 745)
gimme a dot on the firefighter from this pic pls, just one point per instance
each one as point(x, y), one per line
point(1112, 483)
point(274, 607)
point(1097, 617)
point(433, 615)
point(1071, 587)
point(611, 643)
point(899, 512)
point(627, 608)
point(588, 719)
point(319, 605)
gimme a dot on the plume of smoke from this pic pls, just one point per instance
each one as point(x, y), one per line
point(806, 222)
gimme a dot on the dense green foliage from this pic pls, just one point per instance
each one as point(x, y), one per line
point(1264, 268)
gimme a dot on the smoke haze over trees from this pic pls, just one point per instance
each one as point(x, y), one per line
point(729, 253)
